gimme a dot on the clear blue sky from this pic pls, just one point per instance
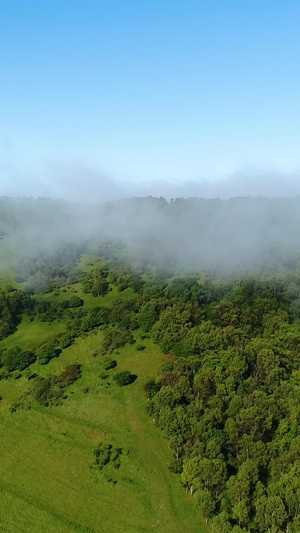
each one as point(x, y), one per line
point(150, 89)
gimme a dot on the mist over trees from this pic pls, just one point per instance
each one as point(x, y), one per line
point(239, 233)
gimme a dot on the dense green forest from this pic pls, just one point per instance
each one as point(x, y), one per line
point(225, 394)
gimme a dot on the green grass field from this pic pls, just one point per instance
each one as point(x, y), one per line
point(46, 480)
point(89, 300)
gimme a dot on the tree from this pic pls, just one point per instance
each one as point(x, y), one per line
point(206, 503)
point(147, 316)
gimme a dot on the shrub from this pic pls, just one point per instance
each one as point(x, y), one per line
point(108, 363)
point(75, 301)
point(105, 454)
point(10, 288)
point(48, 390)
point(46, 352)
point(65, 304)
point(66, 340)
point(70, 374)
point(151, 388)
point(115, 338)
point(140, 347)
point(124, 378)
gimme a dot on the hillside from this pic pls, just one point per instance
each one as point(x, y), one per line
point(148, 398)
point(48, 482)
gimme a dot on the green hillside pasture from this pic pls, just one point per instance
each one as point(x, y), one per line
point(89, 300)
point(89, 261)
point(30, 335)
point(46, 454)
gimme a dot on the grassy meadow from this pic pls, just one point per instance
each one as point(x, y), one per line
point(47, 479)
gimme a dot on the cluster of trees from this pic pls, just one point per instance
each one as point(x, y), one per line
point(47, 270)
point(17, 359)
point(228, 399)
point(125, 276)
point(49, 311)
point(120, 275)
point(12, 304)
point(96, 283)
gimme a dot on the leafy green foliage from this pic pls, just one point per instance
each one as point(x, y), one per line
point(47, 351)
point(227, 397)
point(115, 338)
point(50, 390)
point(107, 454)
point(125, 276)
point(46, 270)
point(147, 316)
point(96, 283)
point(96, 317)
point(66, 340)
point(75, 301)
point(108, 363)
point(124, 378)
point(228, 401)
point(122, 313)
point(12, 305)
point(16, 359)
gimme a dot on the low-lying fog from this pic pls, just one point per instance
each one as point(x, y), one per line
point(195, 233)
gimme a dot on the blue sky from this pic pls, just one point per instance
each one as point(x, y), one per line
point(139, 90)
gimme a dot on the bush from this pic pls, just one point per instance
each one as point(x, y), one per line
point(151, 388)
point(47, 351)
point(65, 304)
point(48, 391)
point(70, 374)
point(108, 363)
point(105, 454)
point(123, 314)
point(124, 378)
point(10, 288)
point(75, 301)
point(140, 347)
point(66, 340)
point(51, 390)
point(115, 338)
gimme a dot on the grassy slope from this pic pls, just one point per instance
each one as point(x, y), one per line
point(46, 453)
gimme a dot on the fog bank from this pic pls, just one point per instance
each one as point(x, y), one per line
point(239, 233)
